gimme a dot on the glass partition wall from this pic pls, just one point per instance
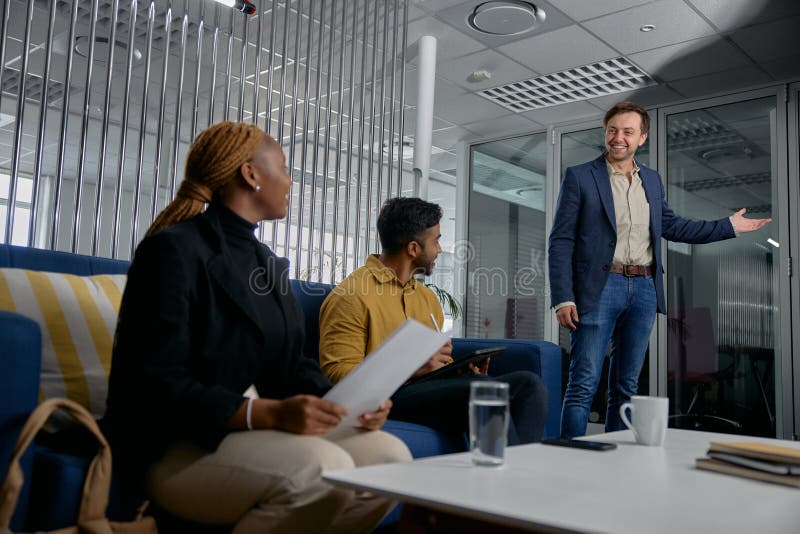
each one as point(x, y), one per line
point(723, 327)
point(506, 239)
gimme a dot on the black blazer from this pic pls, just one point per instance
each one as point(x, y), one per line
point(188, 343)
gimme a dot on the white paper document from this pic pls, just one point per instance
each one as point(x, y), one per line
point(385, 369)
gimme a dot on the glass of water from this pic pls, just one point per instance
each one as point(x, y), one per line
point(488, 422)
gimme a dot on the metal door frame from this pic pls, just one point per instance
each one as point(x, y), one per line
point(793, 151)
point(784, 409)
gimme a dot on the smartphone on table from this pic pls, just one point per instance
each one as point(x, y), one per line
point(580, 444)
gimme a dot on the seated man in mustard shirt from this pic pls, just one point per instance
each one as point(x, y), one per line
point(363, 310)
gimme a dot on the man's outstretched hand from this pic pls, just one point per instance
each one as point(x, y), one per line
point(743, 225)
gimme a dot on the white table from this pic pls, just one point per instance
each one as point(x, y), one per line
point(632, 489)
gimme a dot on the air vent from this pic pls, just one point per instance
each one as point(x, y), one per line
point(33, 87)
point(727, 182)
point(571, 85)
point(105, 12)
point(701, 133)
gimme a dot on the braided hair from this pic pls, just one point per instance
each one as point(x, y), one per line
point(212, 163)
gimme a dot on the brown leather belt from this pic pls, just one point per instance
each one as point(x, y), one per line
point(631, 270)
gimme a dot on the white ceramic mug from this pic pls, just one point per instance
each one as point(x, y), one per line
point(649, 416)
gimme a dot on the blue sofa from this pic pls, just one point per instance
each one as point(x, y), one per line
point(51, 500)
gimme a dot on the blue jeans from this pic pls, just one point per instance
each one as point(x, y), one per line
point(624, 316)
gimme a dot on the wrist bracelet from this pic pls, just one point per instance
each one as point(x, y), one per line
point(249, 414)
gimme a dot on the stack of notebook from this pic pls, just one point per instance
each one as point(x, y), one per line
point(760, 461)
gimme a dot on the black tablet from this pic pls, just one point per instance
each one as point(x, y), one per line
point(462, 363)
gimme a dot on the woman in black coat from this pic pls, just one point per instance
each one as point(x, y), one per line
point(211, 400)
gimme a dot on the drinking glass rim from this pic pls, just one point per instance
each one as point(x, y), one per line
point(486, 383)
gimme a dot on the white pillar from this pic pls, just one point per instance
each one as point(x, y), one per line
point(426, 83)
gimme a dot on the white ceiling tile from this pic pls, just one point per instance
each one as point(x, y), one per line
point(415, 13)
point(720, 82)
point(442, 91)
point(505, 126)
point(502, 69)
point(443, 161)
point(432, 6)
point(771, 40)
point(784, 68)
point(567, 47)
point(692, 58)
point(410, 122)
point(13, 52)
point(462, 108)
point(731, 14)
point(564, 113)
point(447, 138)
point(648, 96)
point(583, 10)
point(674, 20)
point(450, 42)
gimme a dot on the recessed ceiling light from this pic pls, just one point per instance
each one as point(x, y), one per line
point(529, 192)
point(101, 49)
point(510, 17)
point(647, 28)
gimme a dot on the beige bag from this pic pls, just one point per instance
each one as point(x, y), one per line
point(92, 513)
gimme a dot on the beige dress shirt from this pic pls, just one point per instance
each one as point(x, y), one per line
point(632, 212)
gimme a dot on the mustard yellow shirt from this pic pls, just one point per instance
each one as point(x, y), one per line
point(361, 312)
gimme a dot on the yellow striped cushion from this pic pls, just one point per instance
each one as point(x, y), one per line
point(77, 316)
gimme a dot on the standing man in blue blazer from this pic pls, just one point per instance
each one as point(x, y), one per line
point(605, 264)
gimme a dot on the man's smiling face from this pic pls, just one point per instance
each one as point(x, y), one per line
point(624, 136)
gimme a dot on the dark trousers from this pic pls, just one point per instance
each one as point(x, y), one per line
point(443, 404)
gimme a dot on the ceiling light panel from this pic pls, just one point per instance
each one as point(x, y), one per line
point(570, 85)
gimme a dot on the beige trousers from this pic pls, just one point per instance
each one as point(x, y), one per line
point(270, 481)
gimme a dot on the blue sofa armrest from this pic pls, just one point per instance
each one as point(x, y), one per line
point(20, 365)
point(541, 357)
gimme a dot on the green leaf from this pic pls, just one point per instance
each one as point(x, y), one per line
point(447, 301)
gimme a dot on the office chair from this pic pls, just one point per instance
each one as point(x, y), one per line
point(692, 358)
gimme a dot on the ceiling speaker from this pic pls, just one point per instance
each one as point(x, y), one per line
point(509, 17)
